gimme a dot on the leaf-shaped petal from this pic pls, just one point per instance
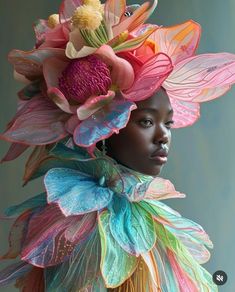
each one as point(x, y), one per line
point(185, 113)
point(160, 189)
point(104, 123)
point(149, 77)
point(178, 42)
point(131, 226)
point(116, 264)
point(113, 11)
point(39, 122)
point(37, 201)
point(13, 272)
point(14, 151)
point(75, 192)
point(17, 235)
point(93, 104)
point(169, 217)
point(51, 237)
point(29, 63)
point(122, 73)
point(82, 267)
point(67, 9)
point(193, 75)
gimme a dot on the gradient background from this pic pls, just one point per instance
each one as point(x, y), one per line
point(201, 163)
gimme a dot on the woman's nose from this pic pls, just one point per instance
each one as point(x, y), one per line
point(162, 135)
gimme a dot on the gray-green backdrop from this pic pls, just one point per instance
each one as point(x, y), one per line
point(202, 162)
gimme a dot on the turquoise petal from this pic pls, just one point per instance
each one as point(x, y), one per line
point(37, 201)
point(116, 264)
point(131, 226)
point(75, 192)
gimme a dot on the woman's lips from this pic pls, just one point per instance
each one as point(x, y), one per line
point(159, 159)
point(160, 156)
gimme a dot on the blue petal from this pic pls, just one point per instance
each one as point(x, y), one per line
point(131, 226)
point(75, 192)
point(104, 123)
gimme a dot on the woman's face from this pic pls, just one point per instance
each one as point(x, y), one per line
point(144, 143)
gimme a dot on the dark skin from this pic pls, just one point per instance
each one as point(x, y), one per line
point(147, 132)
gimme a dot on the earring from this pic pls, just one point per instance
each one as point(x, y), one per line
point(104, 148)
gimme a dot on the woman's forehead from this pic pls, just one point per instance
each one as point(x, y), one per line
point(158, 101)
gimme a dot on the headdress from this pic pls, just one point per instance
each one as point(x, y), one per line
point(100, 225)
point(92, 62)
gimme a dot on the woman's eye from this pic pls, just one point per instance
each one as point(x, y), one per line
point(169, 124)
point(146, 123)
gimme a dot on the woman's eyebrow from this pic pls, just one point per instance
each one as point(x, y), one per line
point(154, 110)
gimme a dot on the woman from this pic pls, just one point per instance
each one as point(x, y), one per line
point(99, 76)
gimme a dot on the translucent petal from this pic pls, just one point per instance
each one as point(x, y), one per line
point(116, 264)
point(75, 192)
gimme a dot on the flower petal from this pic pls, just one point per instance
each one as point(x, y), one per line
point(131, 226)
point(75, 192)
point(113, 11)
point(17, 235)
point(122, 73)
point(149, 77)
point(103, 123)
point(72, 53)
point(185, 113)
point(67, 8)
point(49, 232)
point(93, 104)
point(39, 122)
point(79, 270)
point(201, 73)
point(178, 42)
point(135, 42)
point(139, 16)
point(14, 151)
point(116, 264)
point(29, 63)
point(161, 189)
point(13, 272)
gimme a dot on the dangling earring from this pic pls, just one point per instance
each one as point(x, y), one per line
point(104, 148)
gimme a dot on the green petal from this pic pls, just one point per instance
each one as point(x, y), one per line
point(116, 264)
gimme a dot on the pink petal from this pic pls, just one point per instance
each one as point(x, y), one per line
point(149, 78)
point(14, 151)
point(29, 64)
point(17, 235)
point(57, 37)
point(113, 11)
point(59, 232)
point(161, 189)
point(93, 104)
point(201, 73)
point(60, 100)
point(39, 122)
point(40, 29)
point(67, 8)
point(122, 73)
point(139, 16)
point(185, 113)
point(178, 42)
point(72, 123)
point(52, 69)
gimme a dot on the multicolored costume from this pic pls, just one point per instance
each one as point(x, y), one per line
point(101, 226)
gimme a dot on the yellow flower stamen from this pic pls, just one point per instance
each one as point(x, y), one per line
point(96, 4)
point(53, 20)
point(86, 17)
